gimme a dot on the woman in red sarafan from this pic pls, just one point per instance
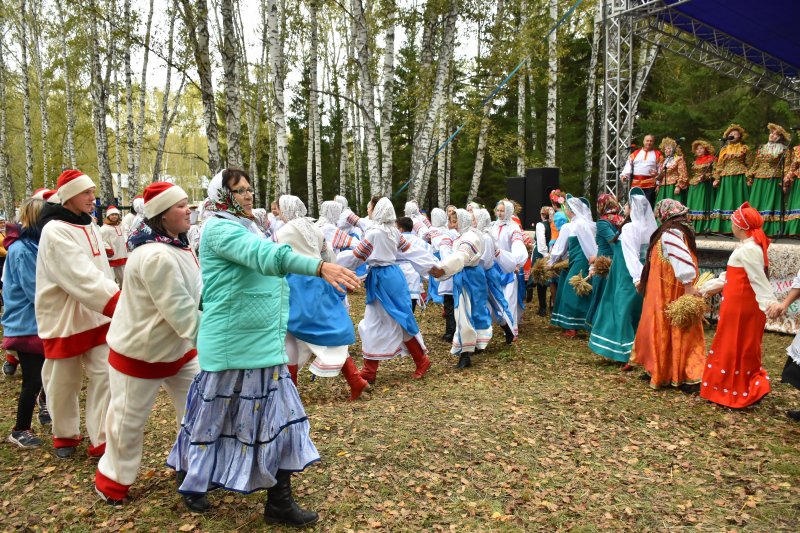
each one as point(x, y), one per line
point(733, 375)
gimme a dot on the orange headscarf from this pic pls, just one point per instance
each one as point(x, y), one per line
point(750, 220)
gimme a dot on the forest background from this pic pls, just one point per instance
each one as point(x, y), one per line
point(324, 97)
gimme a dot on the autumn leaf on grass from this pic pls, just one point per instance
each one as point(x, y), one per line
point(187, 527)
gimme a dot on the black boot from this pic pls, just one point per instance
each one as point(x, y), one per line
point(794, 415)
point(449, 318)
point(197, 503)
point(464, 360)
point(281, 507)
point(509, 334)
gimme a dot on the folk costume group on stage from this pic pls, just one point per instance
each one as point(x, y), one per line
point(226, 313)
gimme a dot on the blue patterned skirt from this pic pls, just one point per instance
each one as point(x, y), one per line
point(240, 428)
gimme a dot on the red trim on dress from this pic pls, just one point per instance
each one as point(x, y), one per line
point(97, 451)
point(108, 310)
point(94, 246)
point(117, 262)
point(61, 442)
point(77, 344)
point(110, 488)
point(146, 370)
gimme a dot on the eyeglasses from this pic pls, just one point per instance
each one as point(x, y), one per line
point(242, 191)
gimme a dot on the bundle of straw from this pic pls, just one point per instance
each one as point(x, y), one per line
point(558, 267)
point(602, 266)
point(686, 310)
point(581, 286)
point(702, 279)
point(540, 271)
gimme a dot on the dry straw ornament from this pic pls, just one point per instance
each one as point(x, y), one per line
point(689, 309)
point(580, 284)
point(602, 266)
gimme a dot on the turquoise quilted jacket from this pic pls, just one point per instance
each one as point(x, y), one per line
point(245, 297)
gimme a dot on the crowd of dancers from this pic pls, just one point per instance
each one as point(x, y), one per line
point(225, 306)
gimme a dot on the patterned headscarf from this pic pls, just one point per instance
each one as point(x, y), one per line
point(464, 221)
point(438, 218)
point(341, 200)
point(667, 209)
point(261, 219)
point(751, 221)
point(384, 217)
point(293, 211)
point(220, 198)
point(411, 209)
point(482, 220)
point(608, 209)
point(329, 213)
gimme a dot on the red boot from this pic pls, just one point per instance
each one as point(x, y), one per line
point(370, 370)
point(420, 359)
point(293, 372)
point(354, 379)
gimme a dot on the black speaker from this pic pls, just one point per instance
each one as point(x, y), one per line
point(515, 190)
point(539, 182)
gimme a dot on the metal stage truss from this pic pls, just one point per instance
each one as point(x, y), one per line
point(633, 33)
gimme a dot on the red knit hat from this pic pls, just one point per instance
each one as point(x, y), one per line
point(72, 182)
point(112, 210)
point(43, 194)
point(160, 196)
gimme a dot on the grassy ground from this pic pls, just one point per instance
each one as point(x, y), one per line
point(540, 436)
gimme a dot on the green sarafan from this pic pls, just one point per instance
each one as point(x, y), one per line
point(541, 435)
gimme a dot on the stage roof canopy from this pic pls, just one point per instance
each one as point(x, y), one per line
point(771, 26)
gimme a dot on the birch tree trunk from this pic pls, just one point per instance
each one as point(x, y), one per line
point(447, 172)
point(276, 67)
point(521, 115)
point(422, 143)
point(315, 114)
point(99, 94)
point(197, 28)
point(591, 105)
point(166, 116)
point(233, 111)
point(117, 156)
point(70, 141)
point(133, 179)
point(552, 88)
point(480, 153)
point(388, 100)
point(441, 167)
point(532, 89)
point(22, 35)
point(129, 124)
point(38, 67)
point(310, 165)
point(6, 183)
point(363, 58)
point(255, 110)
point(358, 158)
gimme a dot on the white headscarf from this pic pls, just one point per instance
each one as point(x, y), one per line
point(260, 218)
point(509, 213)
point(412, 209)
point(293, 211)
point(138, 206)
point(642, 217)
point(329, 213)
point(341, 200)
point(473, 206)
point(384, 217)
point(580, 211)
point(483, 220)
point(438, 218)
point(464, 221)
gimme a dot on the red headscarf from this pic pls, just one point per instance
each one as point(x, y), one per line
point(750, 220)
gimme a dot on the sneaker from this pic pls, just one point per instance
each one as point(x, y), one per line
point(65, 452)
point(9, 369)
point(111, 501)
point(44, 414)
point(25, 439)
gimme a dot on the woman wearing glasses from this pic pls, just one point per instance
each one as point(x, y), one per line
point(245, 428)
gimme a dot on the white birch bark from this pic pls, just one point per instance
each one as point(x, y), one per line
point(38, 67)
point(255, 109)
point(419, 167)
point(129, 123)
point(117, 156)
point(363, 59)
point(99, 88)
point(447, 172)
point(233, 111)
point(552, 89)
point(480, 153)
point(315, 114)
point(591, 105)
point(133, 179)
point(276, 68)
point(167, 116)
point(441, 167)
point(310, 165)
point(22, 35)
point(6, 183)
point(70, 137)
point(521, 115)
point(388, 100)
point(532, 93)
point(197, 28)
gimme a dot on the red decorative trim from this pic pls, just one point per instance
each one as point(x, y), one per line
point(11, 359)
point(64, 347)
point(146, 370)
point(109, 252)
point(95, 246)
point(108, 310)
point(117, 262)
point(97, 451)
point(110, 488)
point(59, 442)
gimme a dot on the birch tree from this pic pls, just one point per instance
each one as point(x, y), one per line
point(6, 183)
point(38, 67)
point(314, 114)
point(521, 105)
point(388, 98)
point(70, 136)
point(591, 104)
point(233, 111)
point(363, 59)
point(99, 92)
point(196, 22)
point(277, 75)
point(552, 88)
point(129, 124)
point(22, 34)
point(133, 178)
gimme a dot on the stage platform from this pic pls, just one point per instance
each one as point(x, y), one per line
point(784, 262)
